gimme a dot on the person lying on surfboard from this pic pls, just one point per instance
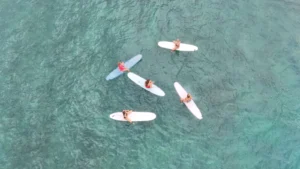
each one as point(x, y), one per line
point(148, 83)
point(177, 44)
point(125, 115)
point(122, 67)
point(187, 99)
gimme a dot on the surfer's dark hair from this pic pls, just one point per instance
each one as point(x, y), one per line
point(147, 81)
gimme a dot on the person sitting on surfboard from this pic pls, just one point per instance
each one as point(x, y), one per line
point(125, 115)
point(122, 67)
point(187, 99)
point(177, 44)
point(148, 83)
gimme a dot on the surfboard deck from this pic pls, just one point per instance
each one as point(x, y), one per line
point(128, 64)
point(134, 116)
point(141, 82)
point(191, 105)
point(183, 46)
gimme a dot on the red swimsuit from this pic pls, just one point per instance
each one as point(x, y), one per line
point(122, 68)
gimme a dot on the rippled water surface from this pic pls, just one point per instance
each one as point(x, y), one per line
point(245, 78)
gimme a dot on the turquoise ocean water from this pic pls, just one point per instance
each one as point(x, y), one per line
point(245, 78)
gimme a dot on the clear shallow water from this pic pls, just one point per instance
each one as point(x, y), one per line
point(55, 101)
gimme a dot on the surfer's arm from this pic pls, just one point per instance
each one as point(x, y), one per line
point(128, 119)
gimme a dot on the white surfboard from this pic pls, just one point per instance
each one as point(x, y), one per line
point(134, 116)
point(141, 82)
point(182, 47)
point(191, 104)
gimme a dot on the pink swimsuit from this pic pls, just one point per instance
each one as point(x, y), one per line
point(122, 68)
